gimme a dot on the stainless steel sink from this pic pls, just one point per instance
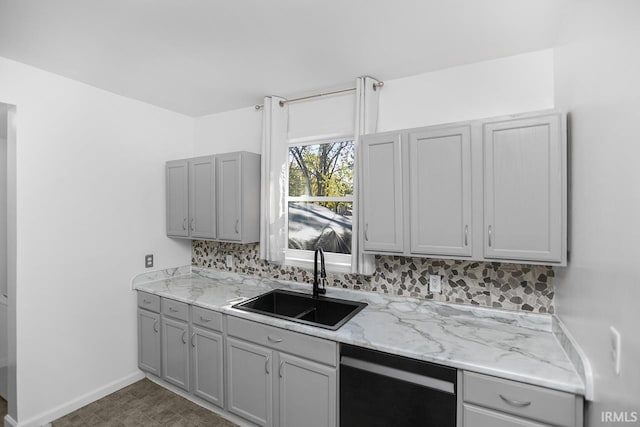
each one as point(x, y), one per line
point(323, 312)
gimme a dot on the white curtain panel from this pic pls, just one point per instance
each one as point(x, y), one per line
point(367, 97)
point(274, 180)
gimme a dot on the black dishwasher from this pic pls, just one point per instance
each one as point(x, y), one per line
point(380, 389)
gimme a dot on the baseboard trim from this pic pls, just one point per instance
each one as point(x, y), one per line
point(62, 410)
point(9, 422)
point(203, 403)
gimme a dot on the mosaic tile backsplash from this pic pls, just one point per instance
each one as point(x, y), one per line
point(489, 284)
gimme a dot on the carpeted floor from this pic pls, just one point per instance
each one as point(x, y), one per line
point(142, 404)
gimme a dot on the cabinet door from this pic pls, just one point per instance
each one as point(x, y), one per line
point(175, 352)
point(149, 341)
point(229, 187)
point(440, 191)
point(202, 197)
point(207, 365)
point(382, 193)
point(249, 376)
point(308, 393)
point(177, 192)
point(524, 188)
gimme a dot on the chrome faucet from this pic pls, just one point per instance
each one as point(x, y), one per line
point(323, 273)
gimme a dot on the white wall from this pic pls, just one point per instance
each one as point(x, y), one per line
point(235, 130)
point(597, 71)
point(491, 88)
point(89, 203)
point(3, 216)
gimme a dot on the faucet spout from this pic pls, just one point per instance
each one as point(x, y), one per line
point(323, 273)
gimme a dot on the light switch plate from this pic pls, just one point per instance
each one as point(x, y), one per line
point(229, 261)
point(616, 342)
point(435, 284)
point(148, 261)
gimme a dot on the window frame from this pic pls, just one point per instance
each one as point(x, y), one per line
point(334, 262)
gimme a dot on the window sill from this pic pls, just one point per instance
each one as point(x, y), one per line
point(307, 264)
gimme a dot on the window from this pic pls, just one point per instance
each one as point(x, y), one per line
point(320, 202)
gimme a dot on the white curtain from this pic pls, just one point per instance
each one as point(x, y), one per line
point(274, 180)
point(367, 96)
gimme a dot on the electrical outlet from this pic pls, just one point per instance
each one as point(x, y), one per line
point(229, 261)
point(435, 284)
point(148, 261)
point(616, 342)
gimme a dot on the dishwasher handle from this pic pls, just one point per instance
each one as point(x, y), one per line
point(398, 374)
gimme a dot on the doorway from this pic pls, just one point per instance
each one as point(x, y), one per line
point(7, 261)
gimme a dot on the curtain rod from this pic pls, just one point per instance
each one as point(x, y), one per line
point(335, 92)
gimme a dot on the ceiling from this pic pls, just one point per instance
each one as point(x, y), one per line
point(199, 57)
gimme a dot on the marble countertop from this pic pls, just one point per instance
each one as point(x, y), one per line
point(512, 345)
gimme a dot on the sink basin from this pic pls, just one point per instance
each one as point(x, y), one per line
point(323, 312)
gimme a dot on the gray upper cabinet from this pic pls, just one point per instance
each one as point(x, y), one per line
point(382, 193)
point(175, 352)
point(492, 189)
point(214, 197)
point(202, 197)
point(207, 356)
point(249, 376)
point(307, 393)
point(440, 191)
point(525, 189)
point(177, 187)
point(230, 187)
point(149, 342)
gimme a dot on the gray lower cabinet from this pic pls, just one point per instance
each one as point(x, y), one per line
point(307, 393)
point(175, 352)
point(271, 387)
point(249, 372)
point(496, 402)
point(207, 364)
point(149, 341)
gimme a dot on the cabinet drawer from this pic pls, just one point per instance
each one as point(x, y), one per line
point(176, 309)
point(536, 403)
point(206, 318)
point(311, 348)
point(480, 417)
point(149, 301)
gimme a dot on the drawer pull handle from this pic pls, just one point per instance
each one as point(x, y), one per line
point(146, 301)
point(515, 403)
point(184, 338)
point(173, 310)
point(155, 326)
point(266, 365)
point(204, 319)
point(275, 340)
